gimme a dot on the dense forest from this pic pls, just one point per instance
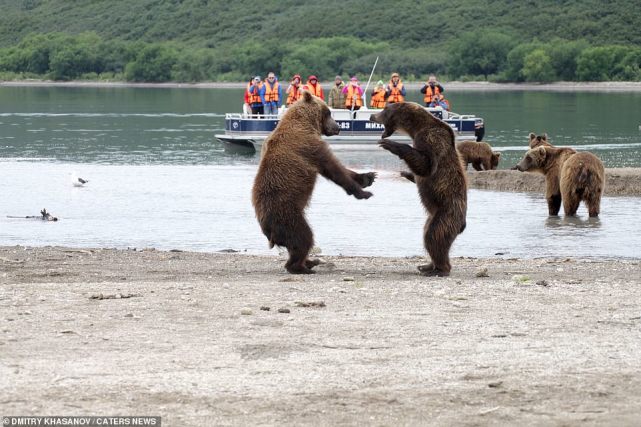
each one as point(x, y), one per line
point(211, 40)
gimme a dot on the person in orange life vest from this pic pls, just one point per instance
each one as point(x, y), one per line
point(272, 94)
point(353, 95)
point(379, 96)
point(255, 98)
point(439, 100)
point(293, 90)
point(431, 88)
point(246, 108)
point(314, 87)
point(395, 89)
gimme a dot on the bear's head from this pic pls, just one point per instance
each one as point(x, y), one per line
point(534, 159)
point(496, 156)
point(311, 110)
point(539, 140)
point(408, 117)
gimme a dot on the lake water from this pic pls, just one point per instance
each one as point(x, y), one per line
point(158, 178)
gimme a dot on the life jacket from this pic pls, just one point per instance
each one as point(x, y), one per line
point(378, 99)
point(314, 90)
point(246, 98)
point(293, 95)
point(429, 94)
point(254, 94)
point(271, 92)
point(351, 93)
point(395, 93)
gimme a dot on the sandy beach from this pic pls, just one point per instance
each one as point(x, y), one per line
point(231, 339)
point(450, 86)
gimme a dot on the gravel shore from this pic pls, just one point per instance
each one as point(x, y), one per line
point(618, 181)
point(231, 339)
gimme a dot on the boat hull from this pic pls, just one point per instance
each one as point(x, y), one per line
point(251, 131)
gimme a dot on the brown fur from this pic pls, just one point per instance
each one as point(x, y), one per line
point(479, 154)
point(292, 157)
point(539, 140)
point(438, 174)
point(570, 177)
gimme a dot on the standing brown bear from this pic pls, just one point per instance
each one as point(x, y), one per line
point(292, 157)
point(479, 154)
point(570, 177)
point(438, 174)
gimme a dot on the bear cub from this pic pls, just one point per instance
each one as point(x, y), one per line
point(480, 154)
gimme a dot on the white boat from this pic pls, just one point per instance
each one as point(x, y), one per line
point(246, 130)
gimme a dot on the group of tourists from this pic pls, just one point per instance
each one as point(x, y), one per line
point(266, 97)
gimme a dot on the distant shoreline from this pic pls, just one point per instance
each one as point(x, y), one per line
point(454, 86)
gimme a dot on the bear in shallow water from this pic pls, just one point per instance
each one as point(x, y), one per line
point(570, 178)
point(437, 172)
point(292, 157)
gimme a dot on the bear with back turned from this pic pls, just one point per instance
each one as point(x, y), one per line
point(437, 172)
point(292, 157)
point(570, 177)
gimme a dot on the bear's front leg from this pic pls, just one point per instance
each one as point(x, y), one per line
point(364, 179)
point(420, 163)
point(331, 168)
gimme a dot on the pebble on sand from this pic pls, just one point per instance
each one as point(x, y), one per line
point(482, 272)
point(246, 311)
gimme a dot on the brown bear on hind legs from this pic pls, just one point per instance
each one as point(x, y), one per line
point(438, 173)
point(480, 154)
point(292, 157)
point(570, 177)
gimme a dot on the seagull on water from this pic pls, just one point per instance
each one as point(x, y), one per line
point(77, 181)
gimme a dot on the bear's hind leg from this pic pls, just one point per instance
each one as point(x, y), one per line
point(593, 203)
point(571, 199)
point(300, 243)
point(438, 239)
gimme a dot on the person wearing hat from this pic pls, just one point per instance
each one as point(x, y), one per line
point(336, 97)
point(353, 95)
point(430, 89)
point(293, 90)
point(314, 87)
point(379, 95)
point(395, 90)
point(256, 93)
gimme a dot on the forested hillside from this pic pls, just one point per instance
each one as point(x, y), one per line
point(191, 40)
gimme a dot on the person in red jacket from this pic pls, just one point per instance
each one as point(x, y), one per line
point(314, 87)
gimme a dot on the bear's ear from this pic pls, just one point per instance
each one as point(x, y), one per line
point(544, 137)
point(542, 151)
point(532, 136)
point(496, 153)
point(307, 96)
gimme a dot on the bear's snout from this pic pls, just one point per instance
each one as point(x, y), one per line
point(331, 128)
point(374, 118)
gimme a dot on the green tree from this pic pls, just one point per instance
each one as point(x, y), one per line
point(537, 67)
point(564, 56)
point(600, 63)
point(516, 60)
point(153, 64)
point(482, 52)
